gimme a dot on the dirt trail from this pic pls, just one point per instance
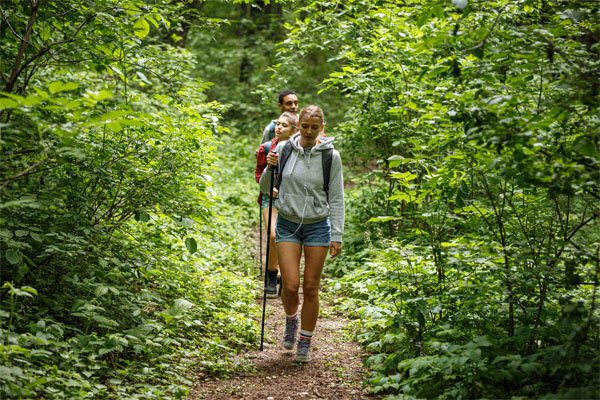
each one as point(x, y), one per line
point(335, 371)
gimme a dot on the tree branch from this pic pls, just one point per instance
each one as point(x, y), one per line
point(5, 18)
point(10, 84)
point(27, 171)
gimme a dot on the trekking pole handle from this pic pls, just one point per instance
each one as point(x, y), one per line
point(270, 156)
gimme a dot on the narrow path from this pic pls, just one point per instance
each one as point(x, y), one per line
point(335, 371)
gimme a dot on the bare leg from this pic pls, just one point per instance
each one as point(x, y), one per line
point(273, 259)
point(289, 264)
point(314, 259)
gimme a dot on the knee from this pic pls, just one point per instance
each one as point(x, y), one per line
point(311, 291)
point(291, 288)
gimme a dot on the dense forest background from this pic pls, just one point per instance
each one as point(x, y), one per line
point(470, 137)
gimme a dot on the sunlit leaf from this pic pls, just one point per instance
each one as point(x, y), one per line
point(141, 28)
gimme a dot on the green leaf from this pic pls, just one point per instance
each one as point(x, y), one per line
point(103, 321)
point(46, 33)
point(141, 28)
point(94, 97)
point(183, 304)
point(585, 146)
point(191, 245)
point(166, 316)
point(400, 196)
point(114, 126)
point(14, 256)
point(397, 160)
point(143, 77)
point(101, 291)
point(29, 289)
point(403, 177)
point(383, 219)
point(37, 237)
point(58, 86)
point(438, 11)
point(119, 55)
point(7, 103)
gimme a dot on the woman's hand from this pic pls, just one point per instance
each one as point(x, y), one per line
point(272, 159)
point(335, 248)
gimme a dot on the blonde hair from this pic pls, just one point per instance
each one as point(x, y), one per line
point(313, 111)
point(292, 119)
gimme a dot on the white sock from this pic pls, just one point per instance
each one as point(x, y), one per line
point(306, 334)
point(294, 315)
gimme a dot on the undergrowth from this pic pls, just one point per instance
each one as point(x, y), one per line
point(157, 302)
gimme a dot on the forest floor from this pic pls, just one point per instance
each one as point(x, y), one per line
point(335, 371)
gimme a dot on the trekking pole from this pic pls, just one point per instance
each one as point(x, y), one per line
point(262, 329)
point(260, 264)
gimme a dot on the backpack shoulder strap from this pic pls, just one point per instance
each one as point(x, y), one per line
point(283, 157)
point(272, 129)
point(326, 158)
point(267, 146)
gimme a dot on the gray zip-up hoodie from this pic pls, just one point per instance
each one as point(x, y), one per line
point(301, 197)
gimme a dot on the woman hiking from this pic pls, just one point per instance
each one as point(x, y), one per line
point(285, 126)
point(287, 101)
point(310, 219)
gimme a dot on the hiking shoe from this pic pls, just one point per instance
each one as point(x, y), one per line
point(271, 288)
point(291, 327)
point(303, 351)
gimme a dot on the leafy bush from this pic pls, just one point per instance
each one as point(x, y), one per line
point(119, 259)
point(483, 273)
point(430, 340)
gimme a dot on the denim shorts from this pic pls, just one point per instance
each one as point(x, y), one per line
point(264, 201)
point(316, 234)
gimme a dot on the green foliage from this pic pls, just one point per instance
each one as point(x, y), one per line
point(118, 257)
point(235, 57)
point(242, 57)
point(473, 232)
point(429, 340)
point(470, 140)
